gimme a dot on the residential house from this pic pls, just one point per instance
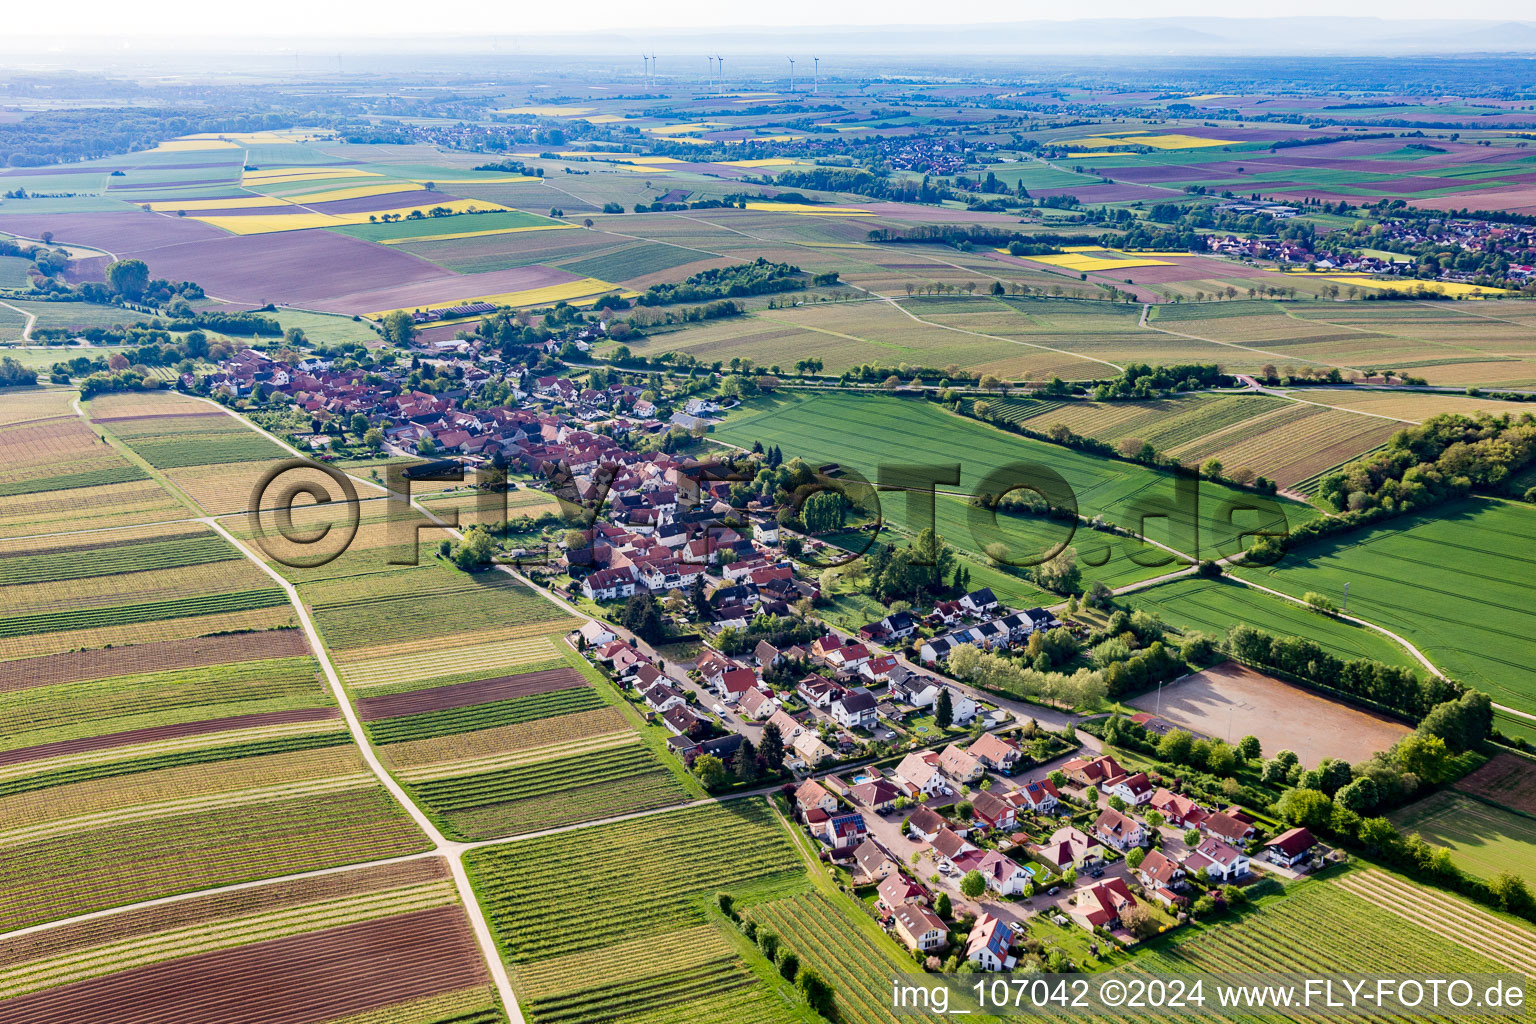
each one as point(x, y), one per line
point(879, 795)
point(595, 634)
point(1177, 809)
point(990, 944)
point(1135, 789)
point(848, 657)
point(1002, 874)
point(818, 692)
point(610, 584)
point(921, 772)
point(1104, 904)
point(997, 753)
point(1232, 825)
point(1290, 847)
point(920, 928)
point(854, 710)
point(1217, 859)
point(1040, 796)
point(757, 704)
point(661, 697)
point(1158, 870)
point(1119, 830)
point(788, 727)
point(896, 890)
point(1069, 847)
point(949, 847)
point(811, 749)
point(681, 721)
point(925, 823)
point(766, 654)
point(994, 811)
point(845, 830)
point(812, 794)
point(960, 765)
point(980, 602)
point(872, 863)
point(1092, 771)
point(736, 682)
point(878, 669)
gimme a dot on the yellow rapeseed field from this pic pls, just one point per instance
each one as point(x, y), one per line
point(251, 202)
point(336, 195)
point(1083, 263)
point(587, 286)
point(262, 224)
point(1174, 141)
point(1396, 284)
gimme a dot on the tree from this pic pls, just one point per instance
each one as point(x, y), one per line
point(1511, 892)
point(642, 617)
point(1424, 756)
point(1060, 573)
point(399, 328)
point(1249, 747)
point(1134, 858)
point(824, 512)
point(373, 438)
point(942, 906)
point(1139, 920)
point(746, 762)
point(475, 552)
point(817, 992)
point(1155, 819)
point(1175, 746)
point(1091, 796)
point(426, 446)
point(973, 884)
point(128, 278)
point(1192, 838)
point(771, 749)
point(711, 772)
point(359, 424)
point(1307, 807)
point(1116, 802)
point(1058, 778)
point(787, 963)
point(944, 713)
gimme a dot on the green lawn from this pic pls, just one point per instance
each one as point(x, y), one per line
point(491, 221)
point(1486, 839)
point(1215, 606)
point(1458, 583)
point(865, 432)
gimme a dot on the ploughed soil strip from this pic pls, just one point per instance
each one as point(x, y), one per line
point(163, 656)
point(221, 906)
point(299, 980)
point(462, 695)
point(166, 732)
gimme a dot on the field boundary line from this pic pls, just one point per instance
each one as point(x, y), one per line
point(1232, 344)
point(26, 330)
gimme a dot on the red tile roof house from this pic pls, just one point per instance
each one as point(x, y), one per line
point(1290, 847)
point(948, 846)
point(812, 794)
point(1002, 875)
point(994, 811)
point(1102, 905)
point(1092, 771)
point(896, 890)
point(989, 944)
point(996, 753)
point(879, 796)
point(757, 704)
point(1177, 809)
point(1039, 796)
point(1158, 872)
point(1119, 830)
point(818, 692)
point(845, 830)
point(737, 682)
point(959, 765)
point(1069, 847)
point(1232, 825)
point(1217, 859)
point(1135, 789)
point(919, 927)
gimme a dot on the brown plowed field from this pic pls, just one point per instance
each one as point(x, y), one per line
point(218, 907)
point(298, 980)
point(165, 656)
point(1506, 779)
point(461, 695)
point(166, 732)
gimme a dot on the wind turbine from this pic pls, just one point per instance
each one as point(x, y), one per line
point(647, 61)
point(816, 76)
point(653, 68)
point(791, 75)
point(719, 60)
point(711, 70)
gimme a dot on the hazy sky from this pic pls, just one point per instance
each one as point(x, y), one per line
point(392, 17)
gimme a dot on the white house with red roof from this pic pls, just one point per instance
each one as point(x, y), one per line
point(1217, 859)
point(1290, 847)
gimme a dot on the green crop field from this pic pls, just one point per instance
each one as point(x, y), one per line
point(490, 221)
point(863, 432)
point(629, 901)
point(1487, 840)
point(1215, 606)
point(1458, 583)
point(1323, 926)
